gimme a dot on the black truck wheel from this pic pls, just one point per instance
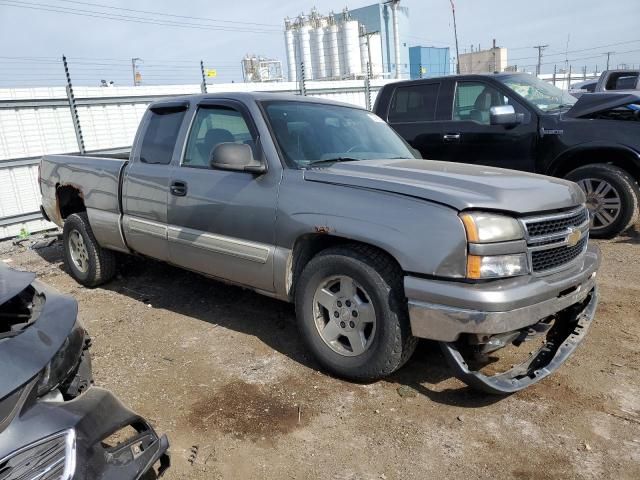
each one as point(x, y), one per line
point(612, 198)
point(86, 261)
point(352, 313)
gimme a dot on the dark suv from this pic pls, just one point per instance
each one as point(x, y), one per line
point(517, 121)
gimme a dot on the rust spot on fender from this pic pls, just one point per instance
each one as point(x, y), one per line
point(321, 229)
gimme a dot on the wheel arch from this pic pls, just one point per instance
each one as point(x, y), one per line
point(618, 155)
point(69, 200)
point(309, 245)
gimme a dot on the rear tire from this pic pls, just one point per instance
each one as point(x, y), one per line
point(356, 278)
point(612, 198)
point(86, 261)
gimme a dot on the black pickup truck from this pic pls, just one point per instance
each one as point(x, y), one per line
point(516, 121)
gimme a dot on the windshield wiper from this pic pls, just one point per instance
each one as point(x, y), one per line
point(334, 160)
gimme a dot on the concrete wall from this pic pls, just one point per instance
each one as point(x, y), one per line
point(484, 61)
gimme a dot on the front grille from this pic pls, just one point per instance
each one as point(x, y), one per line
point(553, 258)
point(542, 227)
point(48, 459)
point(549, 239)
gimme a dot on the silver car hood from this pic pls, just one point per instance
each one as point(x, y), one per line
point(460, 186)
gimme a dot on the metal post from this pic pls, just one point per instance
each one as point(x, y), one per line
point(555, 71)
point(569, 79)
point(303, 80)
point(72, 106)
point(455, 32)
point(203, 85)
point(367, 87)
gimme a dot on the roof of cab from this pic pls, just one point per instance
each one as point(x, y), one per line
point(246, 97)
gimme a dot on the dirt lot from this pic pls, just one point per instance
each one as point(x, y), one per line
point(222, 372)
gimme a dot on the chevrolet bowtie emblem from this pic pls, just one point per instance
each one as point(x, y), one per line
point(574, 237)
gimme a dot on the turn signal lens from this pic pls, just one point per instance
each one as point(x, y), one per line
point(496, 266)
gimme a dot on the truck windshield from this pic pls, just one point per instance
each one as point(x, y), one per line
point(319, 134)
point(542, 94)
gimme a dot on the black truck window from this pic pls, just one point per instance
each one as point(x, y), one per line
point(160, 136)
point(415, 103)
point(473, 100)
point(212, 126)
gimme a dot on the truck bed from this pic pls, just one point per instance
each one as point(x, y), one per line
point(96, 178)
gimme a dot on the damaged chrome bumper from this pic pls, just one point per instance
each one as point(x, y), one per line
point(504, 310)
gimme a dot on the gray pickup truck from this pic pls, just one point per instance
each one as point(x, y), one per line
point(324, 205)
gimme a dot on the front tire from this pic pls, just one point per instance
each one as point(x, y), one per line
point(86, 261)
point(352, 313)
point(612, 198)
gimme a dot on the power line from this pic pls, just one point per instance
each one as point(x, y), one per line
point(127, 18)
point(99, 5)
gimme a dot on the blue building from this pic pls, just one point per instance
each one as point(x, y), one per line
point(378, 18)
point(429, 61)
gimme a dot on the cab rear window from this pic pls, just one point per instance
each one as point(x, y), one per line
point(161, 134)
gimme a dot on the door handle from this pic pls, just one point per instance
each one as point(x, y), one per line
point(178, 188)
point(451, 137)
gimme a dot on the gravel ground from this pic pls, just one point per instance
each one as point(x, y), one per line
point(222, 371)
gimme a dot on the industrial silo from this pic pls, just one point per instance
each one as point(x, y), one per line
point(290, 45)
point(303, 40)
point(364, 52)
point(332, 49)
point(350, 43)
point(375, 46)
point(318, 58)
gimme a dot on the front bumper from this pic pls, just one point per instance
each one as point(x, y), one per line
point(444, 310)
point(93, 416)
point(513, 306)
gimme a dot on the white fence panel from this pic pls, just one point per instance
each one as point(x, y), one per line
point(109, 118)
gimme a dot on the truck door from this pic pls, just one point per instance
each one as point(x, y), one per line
point(146, 182)
point(412, 113)
point(468, 136)
point(222, 223)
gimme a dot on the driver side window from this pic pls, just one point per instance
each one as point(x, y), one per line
point(473, 101)
point(212, 126)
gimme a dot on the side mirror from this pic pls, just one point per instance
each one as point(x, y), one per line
point(236, 157)
point(504, 115)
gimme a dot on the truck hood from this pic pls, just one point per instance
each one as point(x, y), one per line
point(457, 185)
point(591, 103)
point(25, 354)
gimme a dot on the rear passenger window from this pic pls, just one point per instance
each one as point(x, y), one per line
point(416, 103)
point(161, 135)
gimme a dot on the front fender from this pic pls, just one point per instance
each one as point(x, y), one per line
point(424, 237)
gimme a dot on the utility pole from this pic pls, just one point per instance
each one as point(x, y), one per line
point(396, 35)
point(455, 33)
point(540, 49)
point(608, 54)
point(134, 71)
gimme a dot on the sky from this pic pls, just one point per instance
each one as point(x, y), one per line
point(34, 34)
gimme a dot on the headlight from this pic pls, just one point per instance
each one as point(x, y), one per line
point(496, 266)
point(488, 227)
point(64, 362)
